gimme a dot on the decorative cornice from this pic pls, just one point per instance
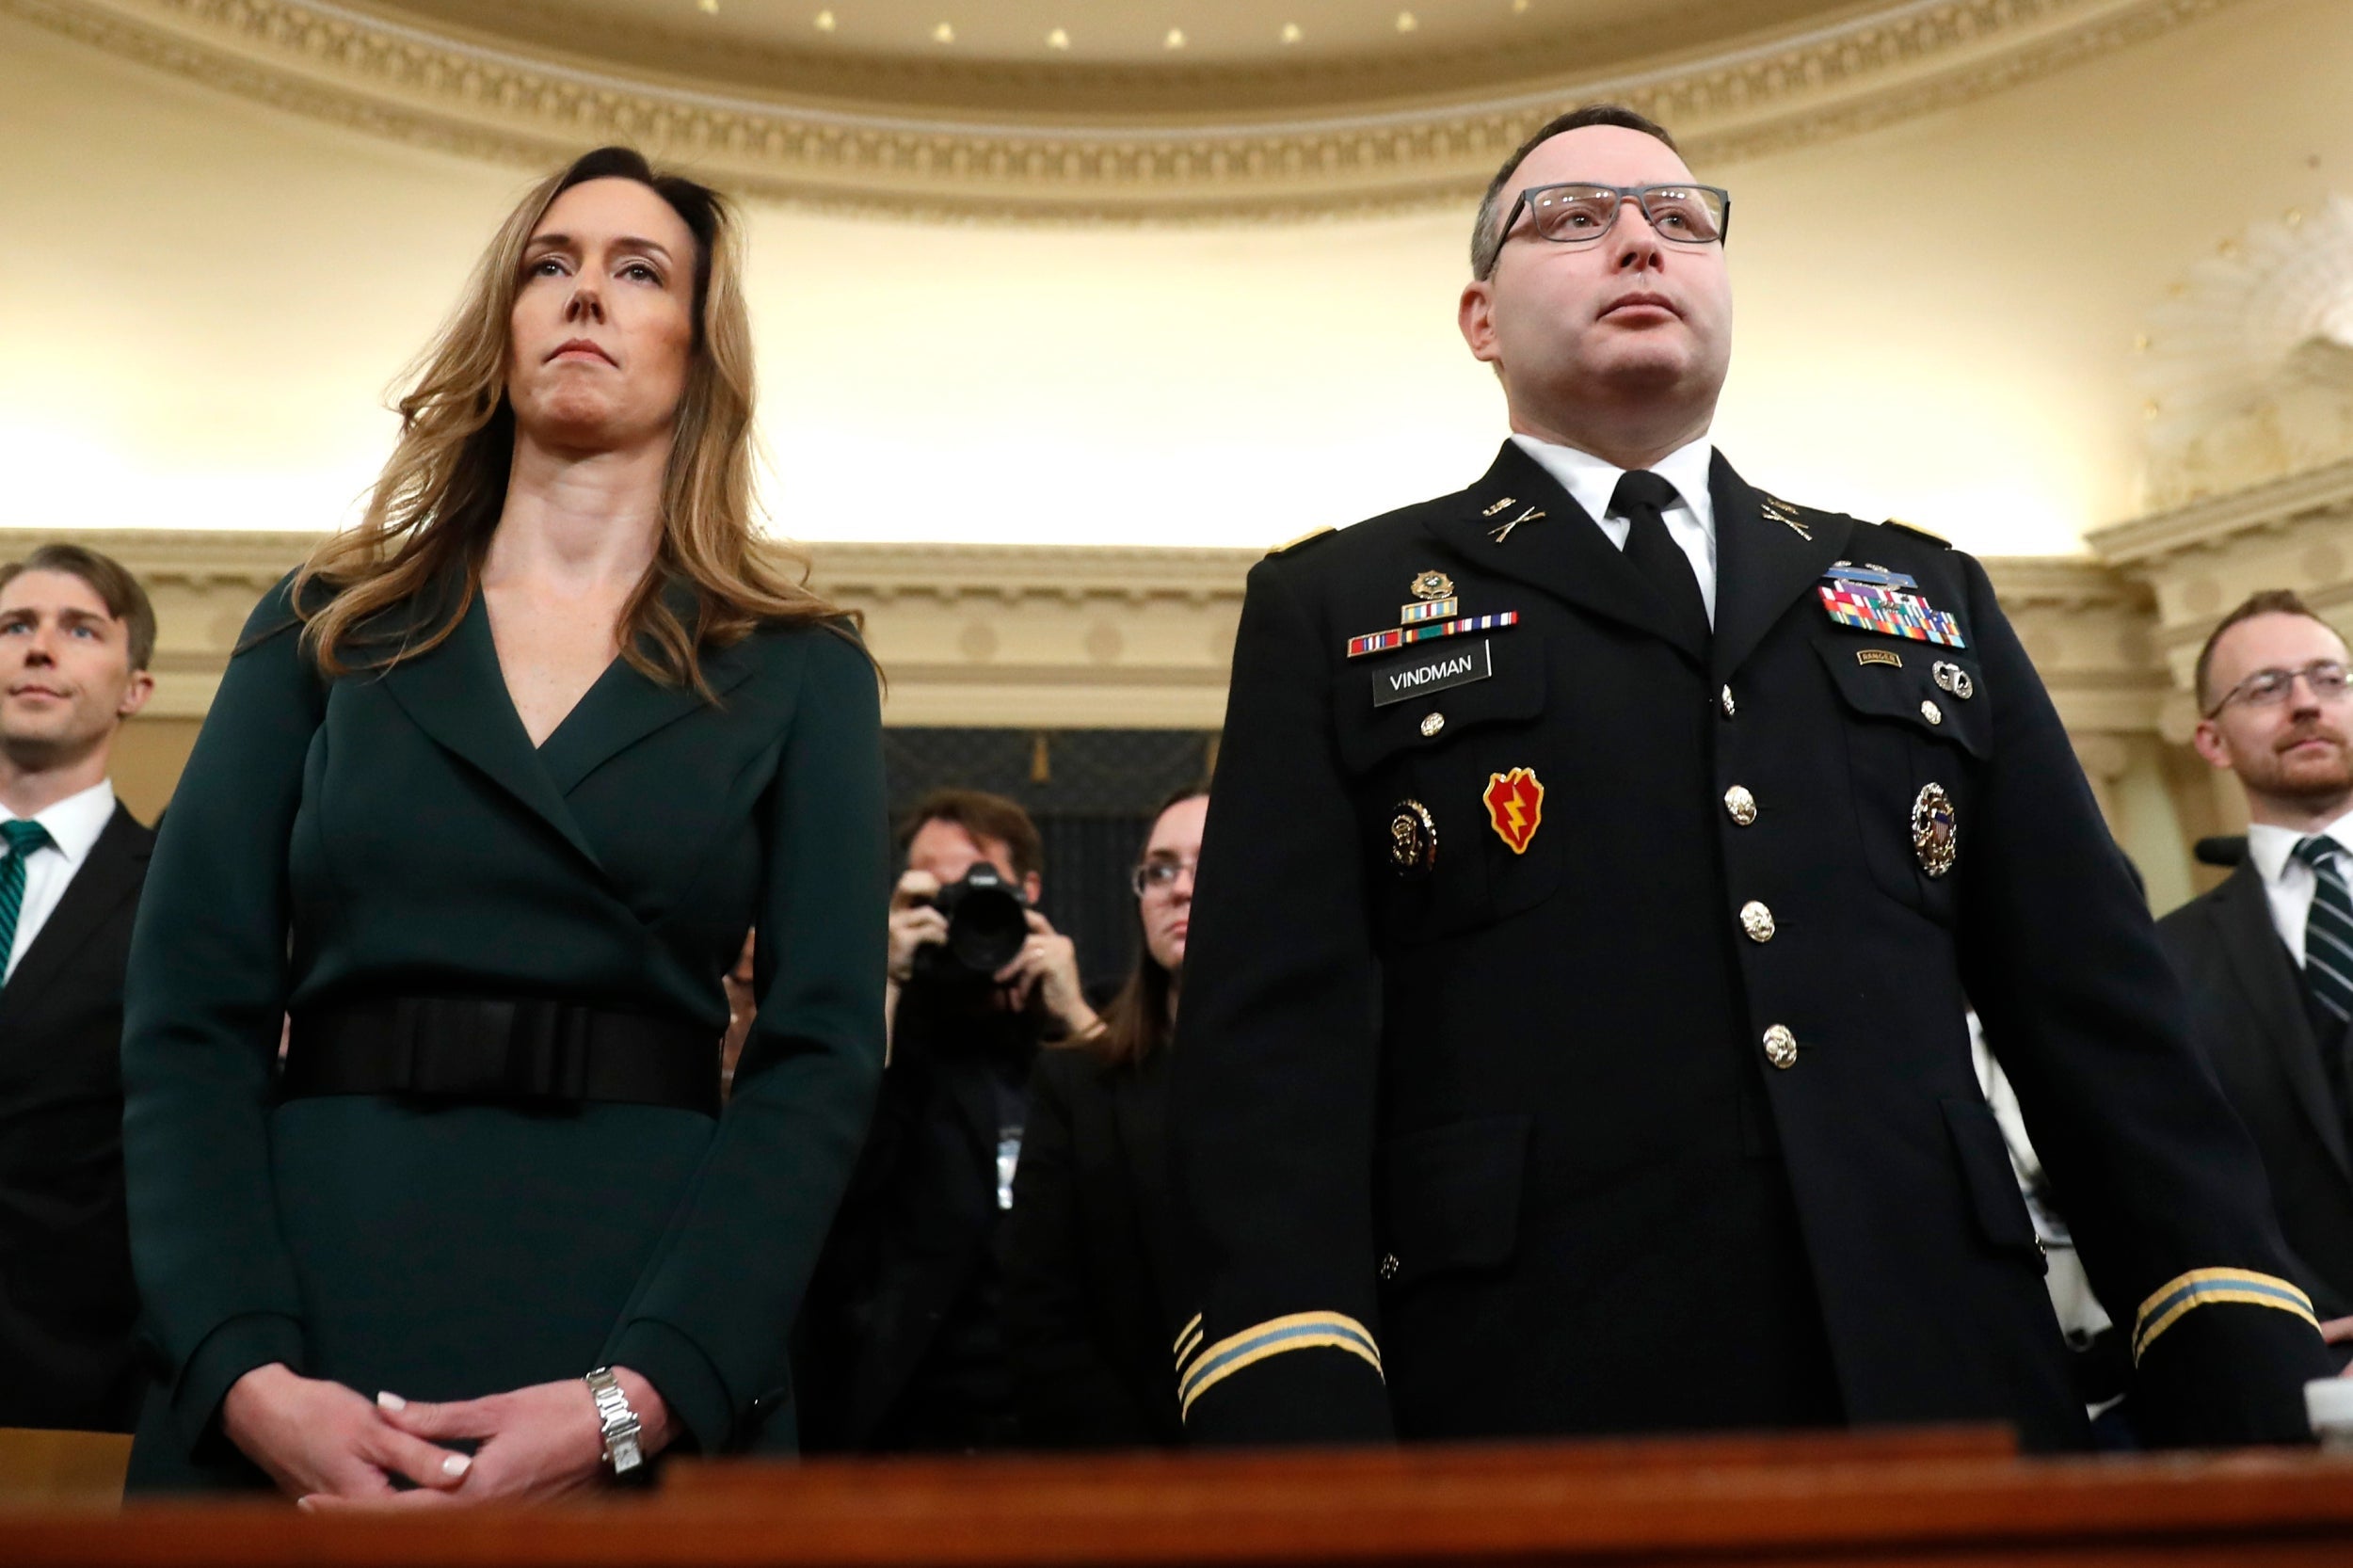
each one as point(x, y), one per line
point(2215, 523)
point(2070, 583)
point(351, 69)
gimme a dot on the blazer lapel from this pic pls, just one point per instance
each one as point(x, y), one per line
point(2274, 992)
point(1553, 545)
point(457, 694)
point(625, 706)
point(111, 875)
point(1761, 565)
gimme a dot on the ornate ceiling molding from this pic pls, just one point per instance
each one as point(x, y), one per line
point(476, 98)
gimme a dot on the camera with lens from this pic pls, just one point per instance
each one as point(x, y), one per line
point(987, 922)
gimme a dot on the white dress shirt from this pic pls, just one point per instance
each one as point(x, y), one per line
point(75, 825)
point(2288, 883)
point(1690, 521)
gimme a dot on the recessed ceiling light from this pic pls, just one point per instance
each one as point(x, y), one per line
point(709, 8)
point(1058, 40)
point(1175, 38)
point(824, 21)
point(943, 34)
point(1291, 33)
point(1406, 22)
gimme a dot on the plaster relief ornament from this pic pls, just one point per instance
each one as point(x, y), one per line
point(2247, 369)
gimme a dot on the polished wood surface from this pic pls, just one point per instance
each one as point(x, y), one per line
point(1941, 1497)
point(37, 1467)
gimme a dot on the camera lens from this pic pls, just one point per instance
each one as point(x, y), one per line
point(987, 926)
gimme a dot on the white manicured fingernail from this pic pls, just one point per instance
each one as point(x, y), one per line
point(391, 1401)
point(456, 1464)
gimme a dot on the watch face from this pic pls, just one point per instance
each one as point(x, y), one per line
point(625, 1455)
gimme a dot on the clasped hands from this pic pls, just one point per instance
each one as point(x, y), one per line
point(330, 1448)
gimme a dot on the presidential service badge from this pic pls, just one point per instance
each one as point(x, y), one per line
point(1413, 838)
point(1935, 830)
point(1515, 807)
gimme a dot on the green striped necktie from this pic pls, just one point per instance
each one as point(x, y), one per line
point(24, 836)
point(2329, 929)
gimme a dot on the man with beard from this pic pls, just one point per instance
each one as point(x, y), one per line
point(2267, 956)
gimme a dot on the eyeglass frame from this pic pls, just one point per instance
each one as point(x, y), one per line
point(1139, 885)
point(1625, 193)
point(2287, 689)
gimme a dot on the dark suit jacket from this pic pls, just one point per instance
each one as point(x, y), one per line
point(1488, 1143)
point(67, 1304)
point(398, 833)
point(2247, 1004)
point(1089, 1256)
point(916, 1239)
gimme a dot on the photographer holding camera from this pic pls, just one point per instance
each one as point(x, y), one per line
point(900, 1347)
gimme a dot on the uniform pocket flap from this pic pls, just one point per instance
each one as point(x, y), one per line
point(1452, 1195)
point(1896, 678)
point(1426, 696)
point(1985, 1168)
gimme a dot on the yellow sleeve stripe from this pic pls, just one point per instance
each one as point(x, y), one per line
point(1300, 1331)
point(2207, 1287)
point(1187, 1343)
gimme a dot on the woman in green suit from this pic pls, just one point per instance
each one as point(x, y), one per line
point(491, 790)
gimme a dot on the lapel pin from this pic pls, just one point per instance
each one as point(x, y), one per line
point(1495, 507)
point(1499, 535)
point(1433, 583)
point(1782, 512)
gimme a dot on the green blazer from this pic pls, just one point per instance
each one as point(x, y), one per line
point(397, 833)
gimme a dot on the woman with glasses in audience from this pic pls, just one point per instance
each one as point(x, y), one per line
point(494, 786)
point(1088, 1248)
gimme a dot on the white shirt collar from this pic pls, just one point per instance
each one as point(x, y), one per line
point(1590, 481)
point(2271, 847)
point(75, 822)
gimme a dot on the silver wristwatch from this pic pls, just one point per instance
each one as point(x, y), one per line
point(620, 1422)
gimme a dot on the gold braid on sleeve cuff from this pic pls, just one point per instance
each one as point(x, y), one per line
point(2206, 1287)
point(1300, 1331)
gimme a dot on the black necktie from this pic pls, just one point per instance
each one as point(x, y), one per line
point(1643, 498)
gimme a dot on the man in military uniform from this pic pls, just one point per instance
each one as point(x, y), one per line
point(1601, 863)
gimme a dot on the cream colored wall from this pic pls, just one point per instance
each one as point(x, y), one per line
point(203, 301)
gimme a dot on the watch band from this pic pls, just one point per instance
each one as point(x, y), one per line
point(619, 1421)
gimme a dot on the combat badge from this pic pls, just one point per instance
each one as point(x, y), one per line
point(1935, 831)
point(1433, 585)
point(1515, 807)
point(1953, 679)
point(1413, 838)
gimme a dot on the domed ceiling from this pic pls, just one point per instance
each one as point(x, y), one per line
point(1100, 109)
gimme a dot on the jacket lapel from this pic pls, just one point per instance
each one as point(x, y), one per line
point(624, 707)
point(1561, 551)
point(457, 694)
point(111, 873)
point(2273, 991)
point(1762, 565)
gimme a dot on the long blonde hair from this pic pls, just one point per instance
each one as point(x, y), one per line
point(434, 508)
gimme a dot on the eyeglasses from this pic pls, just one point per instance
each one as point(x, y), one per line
point(1581, 213)
point(2271, 687)
point(1159, 876)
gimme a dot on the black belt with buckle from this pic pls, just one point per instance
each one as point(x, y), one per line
point(526, 1050)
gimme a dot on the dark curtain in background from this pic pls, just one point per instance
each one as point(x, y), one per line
point(1091, 793)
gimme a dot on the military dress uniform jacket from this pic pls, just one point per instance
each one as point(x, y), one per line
point(398, 833)
point(1664, 1115)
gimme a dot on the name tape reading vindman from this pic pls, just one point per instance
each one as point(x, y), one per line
point(1436, 671)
